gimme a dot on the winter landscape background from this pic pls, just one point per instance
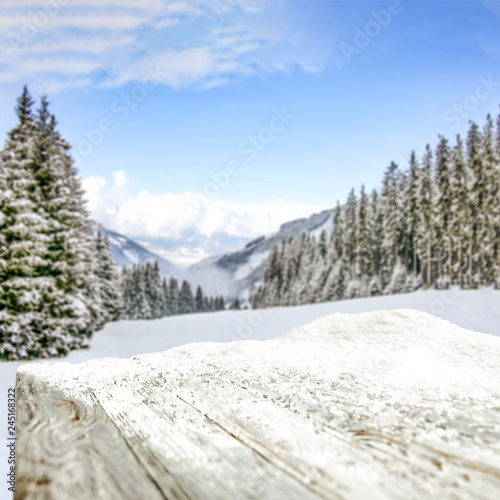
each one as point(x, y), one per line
point(199, 171)
point(435, 223)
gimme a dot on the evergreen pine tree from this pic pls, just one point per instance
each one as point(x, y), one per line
point(166, 298)
point(206, 304)
point(398, 280)
point(36, 317)
point(444, 201)
point(322, 247)
point(124, 291)
point(153, 289)
point(337, 236)
point(391, 212)
point(349, 237)
point(111, 298)
point(138, 307)
point(173, 296)
point(273, 277)
point(412, 209)
point(363, 263)
point(477, 199)
point(490, 203)
point(199, 300)
point(461, 222)
point(375, 234)
point(235, 305)
point(337, 281)
point(71, 257)
point(186, 300)
point(496, 212)
point(427, 217)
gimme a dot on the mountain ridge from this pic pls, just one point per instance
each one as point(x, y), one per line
point(127, 252)
point(231, 274)
point(240, 272)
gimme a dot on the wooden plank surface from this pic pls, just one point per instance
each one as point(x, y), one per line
point(311, 415)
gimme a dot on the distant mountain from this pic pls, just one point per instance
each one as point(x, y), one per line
point(237, 274)
point(127, 252)
point(233, 274)
point(190, 246)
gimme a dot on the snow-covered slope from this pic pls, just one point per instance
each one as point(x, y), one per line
point(127, 252)
point(477, 310)
point(237, 273)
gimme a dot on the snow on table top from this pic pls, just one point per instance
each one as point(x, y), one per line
point(397, 404)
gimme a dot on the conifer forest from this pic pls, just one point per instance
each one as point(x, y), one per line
point(58, 281)
point(434, 223)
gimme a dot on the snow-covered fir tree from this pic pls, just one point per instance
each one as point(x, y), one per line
point(51, 292)
point(426, 201)
point(411, 208)
point(496, 213)
point(391, 210)
point(477, 202)
point(460, 216)
point(363, 262)
point(444, 201)
point(349, 236)
point(490, 205)
point(199, 300)
point(235, 305)
point(375, 235)
point(186, 299)
point(135, 301)
point(154, 290)
point(173, 297)
point(111, 298)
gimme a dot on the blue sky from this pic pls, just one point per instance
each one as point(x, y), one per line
point(366, 82)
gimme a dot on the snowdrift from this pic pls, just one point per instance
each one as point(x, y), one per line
point(378, 405)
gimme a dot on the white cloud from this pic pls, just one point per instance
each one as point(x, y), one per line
point(94, 186)
point(120, 179)
point(180, 218)
point(197, 42)
point(90, 44)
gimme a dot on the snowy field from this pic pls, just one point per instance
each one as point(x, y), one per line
point(474, 310)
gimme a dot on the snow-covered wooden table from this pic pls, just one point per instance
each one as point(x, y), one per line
point(371, 406)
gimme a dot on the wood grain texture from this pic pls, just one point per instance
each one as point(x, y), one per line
point(285, 419)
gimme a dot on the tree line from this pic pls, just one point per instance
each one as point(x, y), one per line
point(435, 223)
point(57, 280)
point(147, 296)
